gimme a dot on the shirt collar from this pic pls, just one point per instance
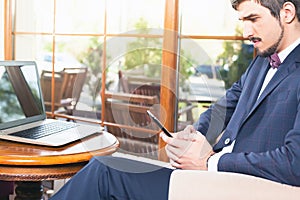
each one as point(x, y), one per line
point(283, 54)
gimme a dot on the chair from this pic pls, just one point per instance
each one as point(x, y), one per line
point(142, 86)
point(127, 119)
point(68, 87)
point(137, 86)
point(195, 184)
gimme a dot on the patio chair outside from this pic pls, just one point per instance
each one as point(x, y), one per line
point(128, 121)
point(68, 87)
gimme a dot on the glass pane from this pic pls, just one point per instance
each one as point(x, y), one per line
point(212, 66)
point(215, 65)
point(70, 52)
point(134, 68)
point(86, 52)
point(29, 47)
point(138, 60)
point(80, 16)
point(207, 17)
point(122, 16)
point(34, 16)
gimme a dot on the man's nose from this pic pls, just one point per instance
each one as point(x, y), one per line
point(247, 31)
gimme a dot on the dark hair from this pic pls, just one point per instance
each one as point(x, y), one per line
point(273, 5)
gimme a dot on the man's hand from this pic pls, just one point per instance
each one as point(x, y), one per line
point(188, 149)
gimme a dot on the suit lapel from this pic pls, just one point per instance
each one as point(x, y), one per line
point(258, 84)
point(286, 68)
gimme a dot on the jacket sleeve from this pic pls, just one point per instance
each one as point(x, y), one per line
point(281, 164)
point(213, 121)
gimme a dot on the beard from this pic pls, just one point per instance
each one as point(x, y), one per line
point(271, 50)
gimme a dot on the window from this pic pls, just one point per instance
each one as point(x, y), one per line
point(127, 42)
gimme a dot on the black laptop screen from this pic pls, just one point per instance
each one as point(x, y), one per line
point(20, 94)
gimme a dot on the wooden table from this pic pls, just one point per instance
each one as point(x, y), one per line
point(28, 165)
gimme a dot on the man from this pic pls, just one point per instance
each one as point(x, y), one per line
point(255, 127)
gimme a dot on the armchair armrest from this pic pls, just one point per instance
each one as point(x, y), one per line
point(192, 184)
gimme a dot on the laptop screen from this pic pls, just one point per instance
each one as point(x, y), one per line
point(20, 94)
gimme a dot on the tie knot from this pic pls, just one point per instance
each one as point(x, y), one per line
point(274, 60)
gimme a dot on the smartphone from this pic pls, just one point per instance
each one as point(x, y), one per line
point(159, 124)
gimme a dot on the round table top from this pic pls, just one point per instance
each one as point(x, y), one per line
point(26, 162)
point(13, 153)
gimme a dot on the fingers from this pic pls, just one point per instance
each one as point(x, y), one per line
point(177, 142)
point(184, 147)
point(176, 148)
point(187, 134)
point(171, 155)
point(175, 164)
point(190, 128)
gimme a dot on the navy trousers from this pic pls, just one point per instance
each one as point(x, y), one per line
point(113, 178)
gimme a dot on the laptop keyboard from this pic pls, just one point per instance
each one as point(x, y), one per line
point(44, 130)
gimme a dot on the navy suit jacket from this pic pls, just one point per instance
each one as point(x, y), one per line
point(267, 129)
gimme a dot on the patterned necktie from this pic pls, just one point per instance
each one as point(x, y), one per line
point(274, 60)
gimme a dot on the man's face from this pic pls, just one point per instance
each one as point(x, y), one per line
point(260, 27)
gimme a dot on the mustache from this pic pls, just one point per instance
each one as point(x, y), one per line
point(254, 39)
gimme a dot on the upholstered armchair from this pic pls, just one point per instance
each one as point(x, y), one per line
point(195, 185)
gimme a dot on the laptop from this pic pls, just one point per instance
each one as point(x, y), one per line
point(22, 111)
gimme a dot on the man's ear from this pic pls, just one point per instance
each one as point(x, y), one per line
point(288, 12)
